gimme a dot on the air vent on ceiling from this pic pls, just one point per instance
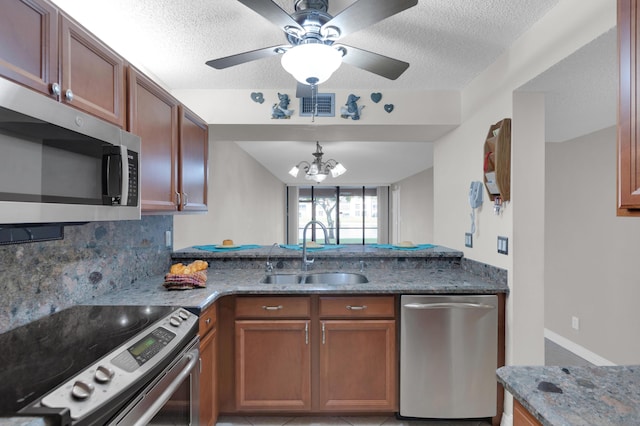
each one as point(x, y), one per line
point(324, 102)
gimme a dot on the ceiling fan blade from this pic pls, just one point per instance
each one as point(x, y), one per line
point(373, 62)
point(241, 58)
point(274, 13)
point(364, 13)
point(303, 91)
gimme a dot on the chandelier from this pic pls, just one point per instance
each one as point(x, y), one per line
point(318, 170)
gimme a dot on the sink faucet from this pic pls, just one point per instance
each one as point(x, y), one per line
point(269, 266)
point(306, 262)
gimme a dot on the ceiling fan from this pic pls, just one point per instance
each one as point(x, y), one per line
point(311, 31)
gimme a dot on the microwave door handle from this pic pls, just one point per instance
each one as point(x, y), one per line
point(112, 175)
point(124, 172)
point(193, 357)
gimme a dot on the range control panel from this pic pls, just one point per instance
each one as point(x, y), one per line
point(124, 366)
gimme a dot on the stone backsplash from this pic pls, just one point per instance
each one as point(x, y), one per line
point(37, 279)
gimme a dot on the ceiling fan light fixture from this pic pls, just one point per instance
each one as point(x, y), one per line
point(311, 63)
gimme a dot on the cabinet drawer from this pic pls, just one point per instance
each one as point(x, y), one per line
point(357, 307)
point(207, 320)
point(273, 307)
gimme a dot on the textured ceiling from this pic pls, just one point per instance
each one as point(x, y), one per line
point(447, 43)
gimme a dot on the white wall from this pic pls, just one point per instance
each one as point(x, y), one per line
point(246, 203)
point(590, 253)
point(415, 212)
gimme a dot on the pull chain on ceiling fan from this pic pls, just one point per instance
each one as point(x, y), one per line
point(312, 53)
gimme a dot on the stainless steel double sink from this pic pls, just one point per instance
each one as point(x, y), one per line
point(328, 278)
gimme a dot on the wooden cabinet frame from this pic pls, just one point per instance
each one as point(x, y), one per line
point(628, 185)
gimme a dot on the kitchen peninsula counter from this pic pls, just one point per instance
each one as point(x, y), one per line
point(576, 396)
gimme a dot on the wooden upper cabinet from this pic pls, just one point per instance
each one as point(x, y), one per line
point(153, 115)
point(194, 173)
point(92, 75)
point(44, 50)
point(29, 43)
point(628, 194)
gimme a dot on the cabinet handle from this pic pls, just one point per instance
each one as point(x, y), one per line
point(323, 334)
point(356, 308)
point(55, 89)
point(272, 308)
point(306, 333)
point(69, 95)
point(185, 199)
point(179, 196)
point(208, 321)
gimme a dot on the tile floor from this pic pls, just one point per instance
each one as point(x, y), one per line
point(554, 355)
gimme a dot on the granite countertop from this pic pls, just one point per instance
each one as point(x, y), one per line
point(221, 282)
point(576, 396)
point(240, 272)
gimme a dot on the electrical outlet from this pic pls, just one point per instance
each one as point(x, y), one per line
point(503, 245)
point(468, 239)
point(167, 238)
point(575, 323)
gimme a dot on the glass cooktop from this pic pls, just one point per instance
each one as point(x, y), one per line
point(40, 355)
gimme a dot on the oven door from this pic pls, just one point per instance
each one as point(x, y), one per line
point(172, 398)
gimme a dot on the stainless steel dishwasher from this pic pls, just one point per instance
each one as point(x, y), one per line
point(448, 356)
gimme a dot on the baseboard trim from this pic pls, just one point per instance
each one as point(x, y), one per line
point(581, 351)
point(507, 420)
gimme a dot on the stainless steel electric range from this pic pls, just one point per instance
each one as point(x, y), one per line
point(97, 365)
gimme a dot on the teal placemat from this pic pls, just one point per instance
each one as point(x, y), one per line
point(393, 247)
point(299, 247)
point(231, 248)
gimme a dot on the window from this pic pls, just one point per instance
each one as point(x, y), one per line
point(350, 214)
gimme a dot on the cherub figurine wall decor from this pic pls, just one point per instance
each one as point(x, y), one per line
point(281, 109)
point(351, 108)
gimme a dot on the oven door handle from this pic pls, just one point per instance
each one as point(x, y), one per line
point(165, 396)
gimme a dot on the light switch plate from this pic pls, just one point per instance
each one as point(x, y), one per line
point(503, 245)
point(468, 239)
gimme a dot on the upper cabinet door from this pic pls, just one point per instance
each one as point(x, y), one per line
point(29, 43)
point(194, 173)
point(628, 110)
point(93, 76)
point(153, 115)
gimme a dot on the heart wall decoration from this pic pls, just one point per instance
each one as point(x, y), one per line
point(376, 97)
point(257, 97)
point(388, 108)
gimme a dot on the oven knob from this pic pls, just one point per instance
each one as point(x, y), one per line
point(183, 315)
point(82, 390)
point(103, 374)
point(175, 321)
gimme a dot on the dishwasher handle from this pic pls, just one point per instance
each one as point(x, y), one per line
point(448, 305)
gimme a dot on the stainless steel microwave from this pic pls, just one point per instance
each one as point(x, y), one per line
point(59, 164)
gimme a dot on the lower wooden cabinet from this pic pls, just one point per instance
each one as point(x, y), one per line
point(273, 365)
point(315, 354)
point(209, 367)
point(522, 417)
point(358, 365)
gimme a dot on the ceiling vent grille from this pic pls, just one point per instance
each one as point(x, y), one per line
point(326, 104)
